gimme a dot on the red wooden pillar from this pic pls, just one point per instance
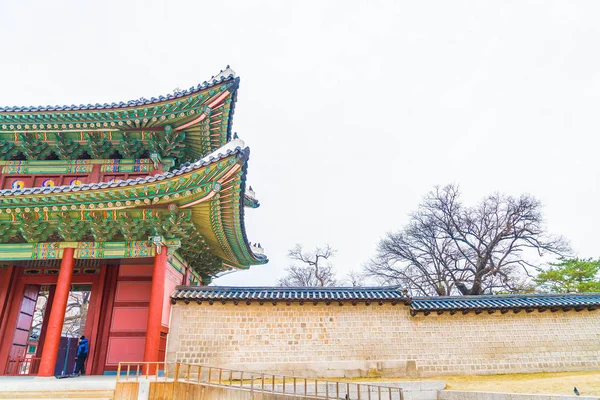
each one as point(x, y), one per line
point(157, 293)
point(57, 314)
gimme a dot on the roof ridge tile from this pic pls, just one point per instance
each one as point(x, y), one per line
point(221, 77)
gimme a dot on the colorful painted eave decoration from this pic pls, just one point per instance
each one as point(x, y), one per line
point(185, 125)
point(81, 166)
point(206, 197)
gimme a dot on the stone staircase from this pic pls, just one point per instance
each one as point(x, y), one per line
point(103, 388)
point(46, 395)
point(37, 388)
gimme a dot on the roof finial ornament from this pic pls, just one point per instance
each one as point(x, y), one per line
point(177, 90)
point(235, 135)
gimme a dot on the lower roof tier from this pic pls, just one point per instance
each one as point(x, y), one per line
point(200, 205)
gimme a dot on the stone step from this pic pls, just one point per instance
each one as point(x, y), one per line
point(420, 395)
point(413, 385)
point(468, 395)
point(56, 398)
point(32, 387)
point(57, 394)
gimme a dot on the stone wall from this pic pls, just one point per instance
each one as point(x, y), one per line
point(356, 340)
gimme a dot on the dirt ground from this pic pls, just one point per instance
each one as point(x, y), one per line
point(587, 382)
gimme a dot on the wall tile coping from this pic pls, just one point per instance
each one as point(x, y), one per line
point(389, 294)
point(224, 293)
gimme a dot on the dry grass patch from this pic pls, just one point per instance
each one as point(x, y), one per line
point(587, 382)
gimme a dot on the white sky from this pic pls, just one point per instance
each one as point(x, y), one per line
point(353, 110)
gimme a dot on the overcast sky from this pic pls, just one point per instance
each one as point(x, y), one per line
point(352, 110)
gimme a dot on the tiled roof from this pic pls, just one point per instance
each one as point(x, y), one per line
point(499, 302)
point(391, 294)
point(251, 202)
point(233, 147)
point(222, 76)
point(288, 294)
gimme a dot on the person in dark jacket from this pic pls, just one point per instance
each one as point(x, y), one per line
point(82, 352)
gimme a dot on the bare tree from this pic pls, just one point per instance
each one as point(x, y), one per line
point(39, 312)
point(354, 279)
point(448, 248)
point(75, 314)
point(314, 268)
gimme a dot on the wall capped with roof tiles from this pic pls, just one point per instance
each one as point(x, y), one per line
point(357, 340)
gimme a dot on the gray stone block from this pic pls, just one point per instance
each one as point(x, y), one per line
point(465, 395)
point(420, 395)
point(413, 385)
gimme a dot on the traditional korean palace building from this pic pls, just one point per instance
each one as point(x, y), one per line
point(126, 200)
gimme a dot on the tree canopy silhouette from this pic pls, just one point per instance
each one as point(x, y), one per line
point(449, 248)
point(570, 276)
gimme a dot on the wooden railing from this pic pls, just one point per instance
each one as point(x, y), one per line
point(22, 366)
point(255, 381)
point(127, 371)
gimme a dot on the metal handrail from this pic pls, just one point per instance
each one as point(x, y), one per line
point(256, 381)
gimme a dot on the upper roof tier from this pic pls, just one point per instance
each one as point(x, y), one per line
point(186, 125)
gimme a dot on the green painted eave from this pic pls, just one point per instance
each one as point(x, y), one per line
point(131, 130)
point(207, 200)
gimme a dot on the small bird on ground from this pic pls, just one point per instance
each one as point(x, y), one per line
point(576, 391)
